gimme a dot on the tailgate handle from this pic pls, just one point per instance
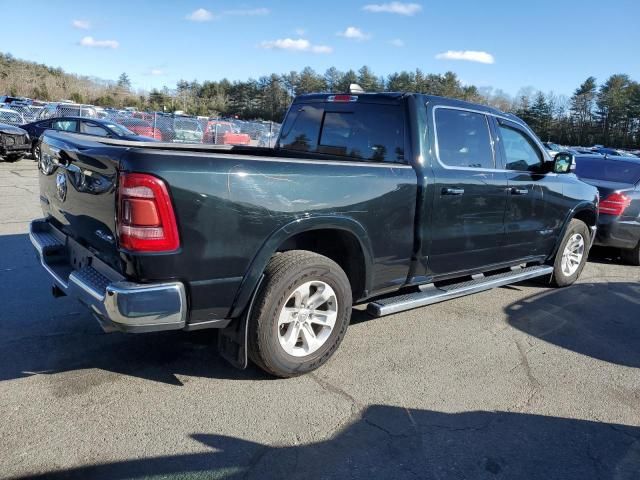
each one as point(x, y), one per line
point(452, 191)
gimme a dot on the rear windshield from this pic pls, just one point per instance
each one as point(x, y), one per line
point(355, 131)
point(617, 171)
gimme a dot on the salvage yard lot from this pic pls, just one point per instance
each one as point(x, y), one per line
point(520, 382)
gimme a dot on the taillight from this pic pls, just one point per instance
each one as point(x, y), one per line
point(342, 98)
point(614, 204)
point(146, 221)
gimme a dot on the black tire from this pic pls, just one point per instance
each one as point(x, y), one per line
point(631, 256)
point(284, 273)
point(559, 278)
point(35, 152)
point(12, 158)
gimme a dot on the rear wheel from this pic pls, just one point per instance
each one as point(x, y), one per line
point(572, 254)
point(301, 313)
point(631, 256)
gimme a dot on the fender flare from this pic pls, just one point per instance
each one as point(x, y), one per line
point(323, 222)
point(580, 207)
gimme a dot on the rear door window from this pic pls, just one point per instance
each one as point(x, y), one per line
point(367, 132)
point(463, 139)
point(65, 125)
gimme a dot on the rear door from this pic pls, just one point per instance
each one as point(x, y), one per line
point(470, 195)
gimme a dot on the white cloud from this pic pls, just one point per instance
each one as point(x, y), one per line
point(398, 8)
point(354, 33)
point(156, 72)
point(295, 45)
point(300, 32)
point(468, 55)
point(81, 24)
point(200, 15)
point(93, 43)
point(396, 42)
point(248, 12)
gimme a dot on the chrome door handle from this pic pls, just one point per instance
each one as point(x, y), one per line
point(452, 191)
point(519, 191)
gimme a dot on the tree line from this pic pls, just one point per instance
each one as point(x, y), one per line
point(606, 113)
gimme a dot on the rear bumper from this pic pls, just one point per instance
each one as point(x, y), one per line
point(618, 233)
point(116, 303)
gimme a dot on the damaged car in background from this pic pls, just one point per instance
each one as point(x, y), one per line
point(14, 143)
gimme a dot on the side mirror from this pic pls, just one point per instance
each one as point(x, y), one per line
point(563, 163)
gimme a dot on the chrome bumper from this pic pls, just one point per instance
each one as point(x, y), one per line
point(116, 303)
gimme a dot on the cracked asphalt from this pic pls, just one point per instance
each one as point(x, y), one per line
point(520, 382)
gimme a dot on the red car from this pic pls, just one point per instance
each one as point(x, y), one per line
point(140, 127)
point(221, 133)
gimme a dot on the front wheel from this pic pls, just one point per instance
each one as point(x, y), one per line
point(572, 254)
point(300, 315)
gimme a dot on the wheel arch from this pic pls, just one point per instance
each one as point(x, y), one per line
point(313, 234)
point(585, 212)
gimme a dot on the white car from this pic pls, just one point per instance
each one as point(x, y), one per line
point(11, 117)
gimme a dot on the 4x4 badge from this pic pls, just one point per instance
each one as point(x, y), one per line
point(61, 186)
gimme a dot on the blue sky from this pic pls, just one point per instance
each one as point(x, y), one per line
point(549, 45)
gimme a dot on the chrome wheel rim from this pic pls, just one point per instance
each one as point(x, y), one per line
point(307, 318)
point(572, 255)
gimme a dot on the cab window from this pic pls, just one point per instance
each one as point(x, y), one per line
point(520, 153)
point(354, 131)
point(463, 139)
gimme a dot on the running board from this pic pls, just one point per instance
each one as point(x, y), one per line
point(429, 294)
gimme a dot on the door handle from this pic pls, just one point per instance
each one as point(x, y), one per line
point(519, 191)
point(452, 191)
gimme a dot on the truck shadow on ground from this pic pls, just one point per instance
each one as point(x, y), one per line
point(43, 335)
point(600, 320)
point(398, 443)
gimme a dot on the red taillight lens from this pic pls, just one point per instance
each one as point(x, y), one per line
point(342, 98)
point(614, 204)
point(146, 221)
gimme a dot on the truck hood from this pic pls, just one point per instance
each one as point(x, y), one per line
point(11, 130)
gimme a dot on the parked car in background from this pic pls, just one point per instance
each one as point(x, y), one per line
point(617, 179)
point(14, 143)
point(59, 109)
point(11, 117)
point(88, 126)
point(141, 127)
point(553, 148)
point(390, 199)
point(186, 130)
point(222, 133)
point(612, 152)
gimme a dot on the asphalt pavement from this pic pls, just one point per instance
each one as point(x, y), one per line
point(522, 382)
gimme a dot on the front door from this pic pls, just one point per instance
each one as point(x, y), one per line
point(470, 195)
point(529, 227)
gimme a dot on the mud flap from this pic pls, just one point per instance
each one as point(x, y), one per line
point(232, 340)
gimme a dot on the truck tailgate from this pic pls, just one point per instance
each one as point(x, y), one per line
point(78, 194)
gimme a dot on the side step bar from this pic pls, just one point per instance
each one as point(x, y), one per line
point(430, 294)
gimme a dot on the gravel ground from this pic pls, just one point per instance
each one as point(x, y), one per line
point(519, 382)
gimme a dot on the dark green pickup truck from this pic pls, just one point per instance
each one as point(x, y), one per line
point(393, 200)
